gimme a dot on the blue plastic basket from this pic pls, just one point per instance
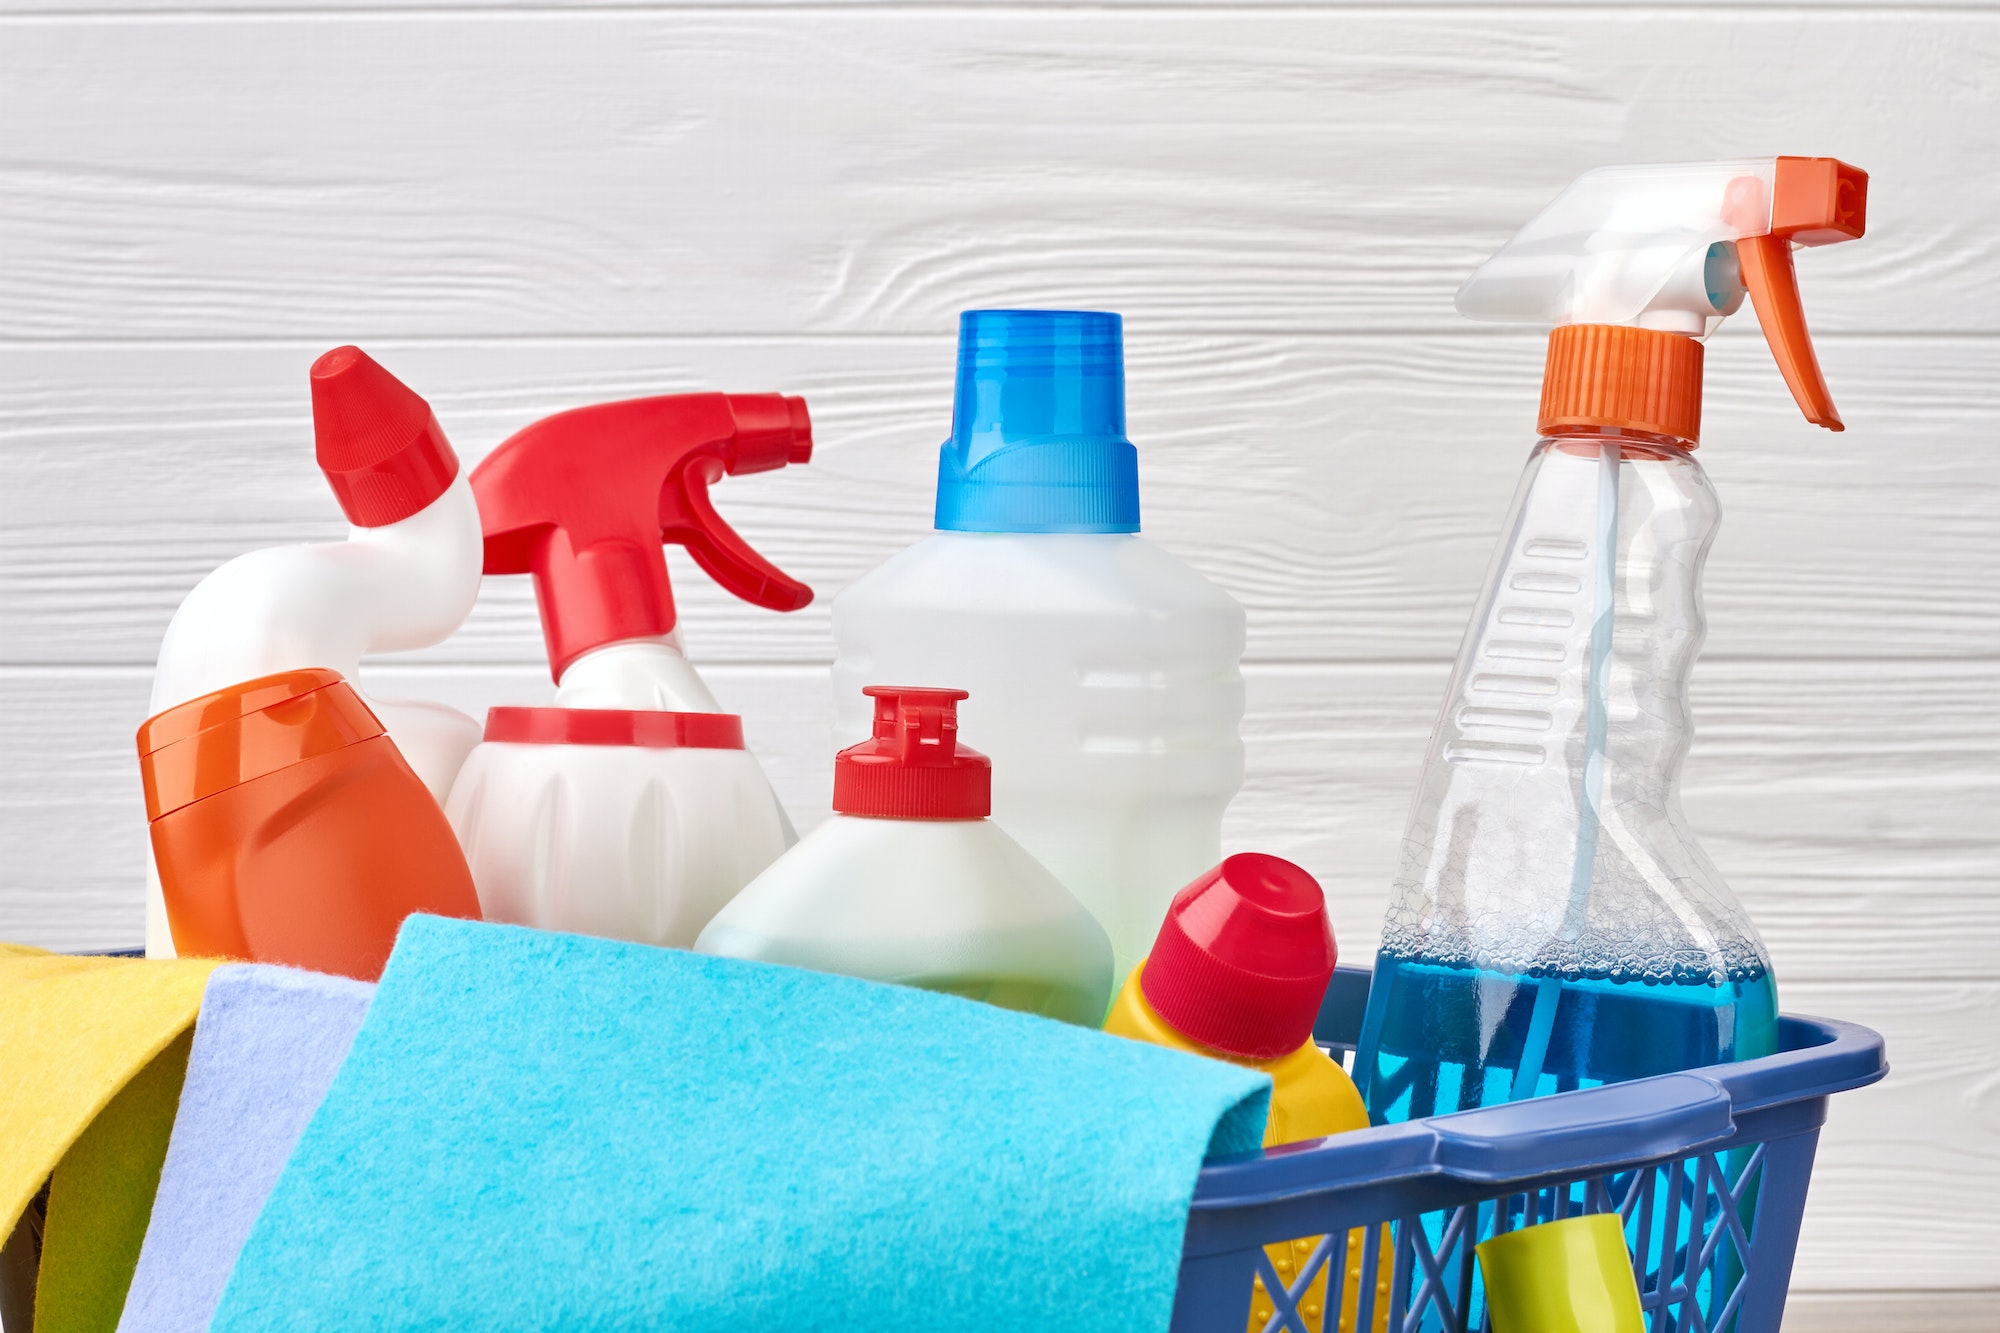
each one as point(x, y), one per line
point(1681, 1156)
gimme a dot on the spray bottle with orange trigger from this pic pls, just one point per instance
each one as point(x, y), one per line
point(1555, 924)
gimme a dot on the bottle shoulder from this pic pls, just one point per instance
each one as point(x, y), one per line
point(1026, 572)
point(928, 864)
point(642, 674)
point(1311, 1095)
point(915, 900)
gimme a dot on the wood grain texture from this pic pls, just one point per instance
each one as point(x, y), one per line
point(1969, 1311)
point(1346, 490)
point(1903, 1185)
point(483, 172)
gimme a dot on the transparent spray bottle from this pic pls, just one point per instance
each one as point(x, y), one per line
point(1555, 925)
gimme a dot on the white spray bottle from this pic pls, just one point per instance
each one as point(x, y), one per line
point(631, 809)
point(406, 577)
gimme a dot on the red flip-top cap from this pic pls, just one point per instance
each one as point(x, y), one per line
point(1244, 958)
point(913, 767)
point(378, 443)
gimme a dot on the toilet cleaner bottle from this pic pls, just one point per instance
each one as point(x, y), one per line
point(1103, 672)
point(910, 883)
point(631, 809)
point(1555, 924)
point(274, 787)
point(1238, 973)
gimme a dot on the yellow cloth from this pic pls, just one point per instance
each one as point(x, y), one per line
point(74, 1033)
point(101, 1199)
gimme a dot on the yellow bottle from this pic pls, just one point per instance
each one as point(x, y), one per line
point(1237, 973)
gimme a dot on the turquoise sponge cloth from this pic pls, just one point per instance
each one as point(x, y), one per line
point(547, 1131)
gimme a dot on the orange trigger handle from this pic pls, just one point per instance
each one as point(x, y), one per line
point(1814, 201)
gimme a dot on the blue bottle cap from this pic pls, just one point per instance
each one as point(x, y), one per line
point(1038, 426)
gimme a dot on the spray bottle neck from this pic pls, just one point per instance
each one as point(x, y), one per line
point(648, 674)
point(1612, 378)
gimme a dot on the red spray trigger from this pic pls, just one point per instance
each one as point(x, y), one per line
point(771, 431)
point(584, 499)
point(1814, 201)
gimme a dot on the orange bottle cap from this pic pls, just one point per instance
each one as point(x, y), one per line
point(1611, 376)
point(227, 738)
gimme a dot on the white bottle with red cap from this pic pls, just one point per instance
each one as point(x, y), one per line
point(406, 577)
point(909, 882)
point(631, 809)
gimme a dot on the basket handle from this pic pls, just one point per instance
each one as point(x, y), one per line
point(1667, 1116)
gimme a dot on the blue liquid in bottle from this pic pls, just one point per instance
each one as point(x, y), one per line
point(1446, 1038)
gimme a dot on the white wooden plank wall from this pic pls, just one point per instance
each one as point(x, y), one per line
point(524, 207)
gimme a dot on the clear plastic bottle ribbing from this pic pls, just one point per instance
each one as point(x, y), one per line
point(1555, 924)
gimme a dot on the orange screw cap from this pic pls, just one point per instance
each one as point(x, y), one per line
point(1611, 376)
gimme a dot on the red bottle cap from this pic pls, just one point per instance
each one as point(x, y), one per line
point(1243, 958)
point(913, 767)
point(584, 500)
point(378, 443)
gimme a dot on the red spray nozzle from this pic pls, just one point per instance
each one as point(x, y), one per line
point(585, 499)
point(913, 766)
point(377, 442)
point(1814, 201)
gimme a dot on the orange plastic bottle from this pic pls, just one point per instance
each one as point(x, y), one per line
point(289, 829)
point(1237, 973)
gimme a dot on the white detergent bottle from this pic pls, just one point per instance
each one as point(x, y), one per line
point(630, 809)
point(406, 577)
point(1103, 672)
point(909, 882)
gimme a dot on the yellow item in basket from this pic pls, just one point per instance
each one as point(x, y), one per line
point(1572, 1276)
point(92, 1053)
point(1311, 1097)
point(1238, 972)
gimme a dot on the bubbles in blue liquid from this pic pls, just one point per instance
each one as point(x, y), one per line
point(1443, 1036)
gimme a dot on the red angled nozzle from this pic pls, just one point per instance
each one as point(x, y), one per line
point(378, 443)
point(771, 431)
